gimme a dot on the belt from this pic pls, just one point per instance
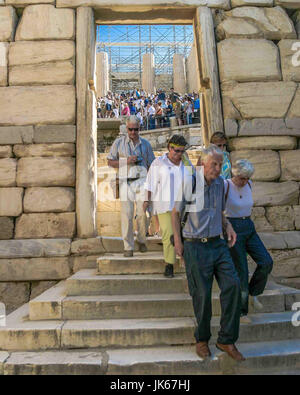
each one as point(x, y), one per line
point(202, 239)
point(239, 217)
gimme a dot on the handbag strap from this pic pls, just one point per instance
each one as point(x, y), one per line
point(186, 213)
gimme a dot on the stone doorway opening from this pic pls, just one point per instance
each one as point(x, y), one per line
point(90, 218)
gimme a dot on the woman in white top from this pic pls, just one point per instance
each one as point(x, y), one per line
point(239, 203)
point(163, 183)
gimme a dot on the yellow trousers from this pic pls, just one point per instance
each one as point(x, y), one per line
point(165, 224)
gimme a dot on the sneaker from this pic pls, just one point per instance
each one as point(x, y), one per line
point(143, 247)
point(128, 254)
point(256, 304)
point(244, 319)
point(169, 271)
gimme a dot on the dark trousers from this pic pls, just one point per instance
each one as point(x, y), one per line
point(249, 242)
point(203, 262)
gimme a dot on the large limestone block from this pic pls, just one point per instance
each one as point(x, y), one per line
point(39, 287)
point(52, 200)
point(8, 172)
point(14, 294)
point(11, 202)
point(36, 52)
point(30, 226)
point(247, 60)
point(5, 151)
point(34, 248)
point(44, 172)
point(290, 165)
point(45, 22)
point(16, 134)
point(288, 3)
point(8, 23)
point(37, 105)
point(34, 269)
point(23, 3)
point(109, 224)
point(290, 72)
point(63, 149)
point(237, 28)
point(55, 134)
point(274, 23)
point(57, 73)
point(297, 217)
point(275, 194)
point(268, 127)
point(263, 143)
point(266, 163)
point(3, 63)
point(262, 99)
point(260, 221)
point(281, 218)
point(6, 228)
point(294, 112)
point(87, 246)
point(286, 263)
point(257, 3)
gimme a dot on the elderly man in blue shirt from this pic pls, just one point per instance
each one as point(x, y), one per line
point(207, 255)
point(132, 155)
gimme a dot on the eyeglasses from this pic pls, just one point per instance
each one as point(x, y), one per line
point(221, 145)
point(135, 129)
point(178, 151)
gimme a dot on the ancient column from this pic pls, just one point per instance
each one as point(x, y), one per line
point(179, 74)
point(102, 73)
point(192, 71)
point(148, 74)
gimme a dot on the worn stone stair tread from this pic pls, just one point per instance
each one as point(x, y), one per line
point(136, 256)
point(184, 360)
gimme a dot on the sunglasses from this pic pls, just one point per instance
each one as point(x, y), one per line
point(221, 145)
point(178, 151)
point(135, 129)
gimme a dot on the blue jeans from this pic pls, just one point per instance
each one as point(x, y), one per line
point(249, 242)
point(203, 261)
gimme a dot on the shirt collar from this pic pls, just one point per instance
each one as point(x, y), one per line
point(127, 140)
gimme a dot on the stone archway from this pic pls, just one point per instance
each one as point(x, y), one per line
point(211, 110)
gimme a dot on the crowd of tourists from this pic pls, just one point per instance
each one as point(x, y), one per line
point(211, 240)
point(153, 110)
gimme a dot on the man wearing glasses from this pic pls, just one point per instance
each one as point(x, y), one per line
point(164, 180)
point(132, 155)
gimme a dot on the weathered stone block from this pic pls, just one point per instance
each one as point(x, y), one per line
point(55, 134)
point(281, 218)
point(34, 248)
point(30, 226)
point(289, 71)
point(23, 105)
point(84, 262)
point(247, 60)
point(273, 241)
point(63, 149)
point(266, 163)
point(263, 143)
point(286, 263)
point(37, 52)
point(274, 23)
point(6, 228)
point(237, 28)
point(294, 112)
point(45, 22)
point(16, 134)
point(8, 172)
point(5, 151)
point(288, 3)
point(8, 23)
point(262, 99)
point(14, 295)
point(290, 165)
point(45, 172)
point(292, 239)
point(257, 3)
point(34, 269)
point(260, 221)
point(11, 202)
point(3, 64)
point(268, 127)
point(23, 3)
point(231, 127)
point(87, 246)
point(38, 287)
point(53, 200)
point(297, 217)
point(56, 73)
point(109, 224)
point(275, 194)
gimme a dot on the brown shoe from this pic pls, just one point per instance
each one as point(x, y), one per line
point(142, 247)
point(203, 350)
point(232, 351)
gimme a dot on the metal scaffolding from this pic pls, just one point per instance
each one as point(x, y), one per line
point(126, 45)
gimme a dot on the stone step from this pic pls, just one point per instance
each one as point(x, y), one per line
point(281, 357)
point(140, 263)
point(87, 282)
point(271, 357)
point(24, 335)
